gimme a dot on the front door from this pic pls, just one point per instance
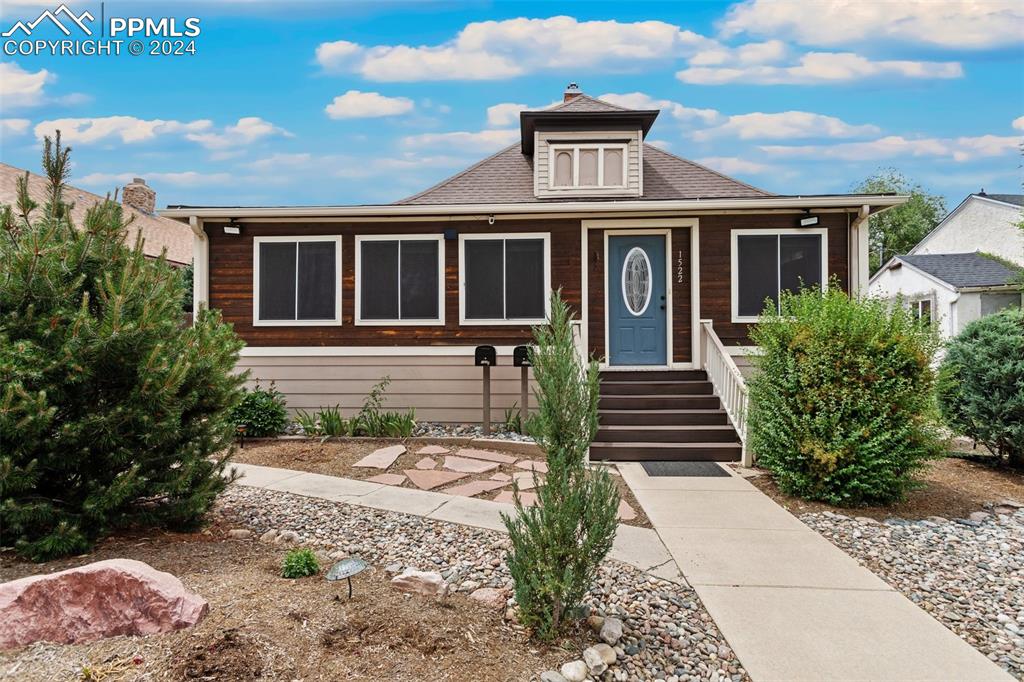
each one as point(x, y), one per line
point(637, 315)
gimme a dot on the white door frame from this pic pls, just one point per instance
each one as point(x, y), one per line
point(649, 226)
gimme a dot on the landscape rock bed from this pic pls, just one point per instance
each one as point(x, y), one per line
point(441, 430)
point(667, 633)
point(967, 573)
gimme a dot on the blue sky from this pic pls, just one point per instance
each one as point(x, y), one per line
point(336, 103)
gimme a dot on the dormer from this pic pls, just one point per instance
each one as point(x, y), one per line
point(586, 148)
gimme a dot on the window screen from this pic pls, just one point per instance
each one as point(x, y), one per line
point(485, 276)
point(316, 281)
point(298, 280)
point(399, 280)
point(799, 261)
point(524, 278)
point(277, 281)
point(758, 276)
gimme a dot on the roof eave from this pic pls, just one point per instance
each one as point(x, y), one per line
point(876, 202)
point(528, 121)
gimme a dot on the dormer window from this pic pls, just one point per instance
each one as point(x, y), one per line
point(588, 165)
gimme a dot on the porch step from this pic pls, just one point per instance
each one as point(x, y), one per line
point(663, 417)
point(655, 375)
point(658, 402)
point(610, 388)
point(672, 433)
point(690, 452)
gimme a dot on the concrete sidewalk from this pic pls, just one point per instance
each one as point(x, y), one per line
point(639, 547)
point(792, 605)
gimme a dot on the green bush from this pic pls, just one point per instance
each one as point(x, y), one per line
point(373, 421)
point(981, 384)
point(112, 413)
point(558, 545)
point(841, 407)
point(262, 412)
point(299, 563)
point(326, 422)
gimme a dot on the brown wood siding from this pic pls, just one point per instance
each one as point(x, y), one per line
point(716, 264)
point(231, 265)
point(680, 278)
point(595, 292)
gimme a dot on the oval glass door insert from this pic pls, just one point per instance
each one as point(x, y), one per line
point(636, 281)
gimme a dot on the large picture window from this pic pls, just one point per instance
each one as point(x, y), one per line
point(504, 280)
point(296, 280)
point(399, 279)
point(768, 262)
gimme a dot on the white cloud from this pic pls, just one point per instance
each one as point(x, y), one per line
point(946, 23)
point(181, 179)
point(1018, 123)
point(769, 52)
point(276, 162)
point(504, 114)
point(893, 146)
point(731, 165)
point(818, 68)
point(302, 165)
point(13, 126)
point(660, 144)
point(128, 128)
point(21, 88)
point(641, 100)
point(484, 140)
point(357, 104)
point(513, 47)
point(784, 125)
point(249, 129)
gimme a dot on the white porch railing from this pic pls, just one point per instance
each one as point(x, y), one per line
point(577, 339)
point(728, 383)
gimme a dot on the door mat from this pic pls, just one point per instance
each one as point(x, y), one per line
point(695, 469)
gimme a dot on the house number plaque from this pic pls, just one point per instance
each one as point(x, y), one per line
point(679, 267)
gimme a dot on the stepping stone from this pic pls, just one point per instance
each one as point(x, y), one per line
point(473, 488)
point(426, 480)
point(381, 459)
point(426, 463)
point(486, 455)
point(387, 479)
point(626, 512)
point(432, 450)
point(468, 466)
point(533, 465)
point(528, 499)
point(501, 476)
point(524, 479)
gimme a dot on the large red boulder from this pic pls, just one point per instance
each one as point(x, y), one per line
point(102, 599)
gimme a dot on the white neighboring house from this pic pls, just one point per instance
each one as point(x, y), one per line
point(982, 222)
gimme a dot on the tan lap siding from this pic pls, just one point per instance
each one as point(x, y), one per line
point(445, 389)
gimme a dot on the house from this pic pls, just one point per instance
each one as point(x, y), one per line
point(139, 201)
point(665, 262)
point(965, 268)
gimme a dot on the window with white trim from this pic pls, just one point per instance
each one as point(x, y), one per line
point(399, 279)
point(504, 280)
point(587, 165)
point(768, 262)
point(296, 280)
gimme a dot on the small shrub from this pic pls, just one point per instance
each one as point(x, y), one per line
point(373, 421)
point(558, 545)
point(514, 422)
point(299, 563)
point(841, 408)
point(981, 386)
point(262, 412)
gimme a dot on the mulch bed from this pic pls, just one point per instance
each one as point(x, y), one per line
point(336, 457)
point(262, 626)
point(952, 488)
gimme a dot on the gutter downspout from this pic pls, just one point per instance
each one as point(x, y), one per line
point(859, 257)
point(200, 267)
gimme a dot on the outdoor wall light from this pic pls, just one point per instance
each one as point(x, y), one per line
point(809, 221)
point(232, 228)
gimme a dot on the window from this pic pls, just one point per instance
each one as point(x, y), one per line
point(767, 262)
point(399, 279)
point(588, 165)
point(923, 310)
point(296, 280)
point(504, 280)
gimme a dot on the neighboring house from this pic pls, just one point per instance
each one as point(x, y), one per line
point(138, 199)
point(644, 246)
point(951, 289)
point(964, 268)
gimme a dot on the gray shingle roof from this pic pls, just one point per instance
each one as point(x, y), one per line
point(581, 103)
point(1015, 199)
point(964, 269)
point(507, 177)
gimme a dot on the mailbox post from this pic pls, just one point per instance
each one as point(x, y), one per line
point(521, 359)
point(486, 357)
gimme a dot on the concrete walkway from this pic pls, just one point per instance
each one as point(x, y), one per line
point(792, 605)
point(639, 547)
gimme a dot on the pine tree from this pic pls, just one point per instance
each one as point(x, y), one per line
point(112, 412)
point(558, 544)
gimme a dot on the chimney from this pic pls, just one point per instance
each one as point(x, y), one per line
point(139, 196)
point(571, 92)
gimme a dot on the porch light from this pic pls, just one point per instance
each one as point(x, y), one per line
point(232, 227)
point(809, 221)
